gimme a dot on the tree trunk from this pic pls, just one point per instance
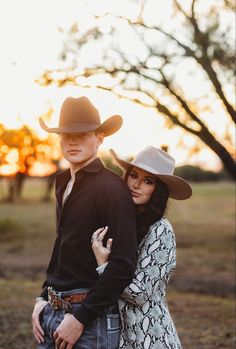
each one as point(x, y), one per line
point(206, 65)
point(227, 160)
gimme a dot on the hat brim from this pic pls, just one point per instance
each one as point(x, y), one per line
point(178, 188)
point(108, 127)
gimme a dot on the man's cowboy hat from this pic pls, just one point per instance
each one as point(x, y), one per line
point(80, 115)
point(162, 165)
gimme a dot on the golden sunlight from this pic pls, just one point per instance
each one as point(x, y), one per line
point(35, 47)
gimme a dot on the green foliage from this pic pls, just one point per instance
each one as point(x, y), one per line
point(107, 161)
point(197, 174)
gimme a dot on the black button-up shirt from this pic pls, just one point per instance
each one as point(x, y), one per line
point(98, 198)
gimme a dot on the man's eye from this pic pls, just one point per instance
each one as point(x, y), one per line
point(65, 136)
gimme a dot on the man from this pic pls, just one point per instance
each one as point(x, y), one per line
point(77, 307)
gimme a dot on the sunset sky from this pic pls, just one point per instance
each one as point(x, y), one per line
point(31, 42)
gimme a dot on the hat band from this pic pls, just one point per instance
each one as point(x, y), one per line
point(77, 128)
point(151, 169)
point(79, 125)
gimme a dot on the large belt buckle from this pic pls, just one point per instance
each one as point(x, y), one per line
point(56, 302)
point(53, 298)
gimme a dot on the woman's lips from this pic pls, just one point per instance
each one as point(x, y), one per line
point(136, 195)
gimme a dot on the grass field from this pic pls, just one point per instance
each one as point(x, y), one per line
point(202, 288)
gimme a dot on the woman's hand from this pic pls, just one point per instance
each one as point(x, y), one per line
point(101, 252)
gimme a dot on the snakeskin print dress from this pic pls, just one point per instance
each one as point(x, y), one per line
point(146, 322)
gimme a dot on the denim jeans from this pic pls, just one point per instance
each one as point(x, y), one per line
point(102, 333)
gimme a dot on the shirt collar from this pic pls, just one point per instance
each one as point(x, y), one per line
point(63, 177)
point(92, 167)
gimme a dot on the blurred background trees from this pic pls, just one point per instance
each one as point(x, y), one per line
point(181, 64)
point(175, 56)
point(23, 153)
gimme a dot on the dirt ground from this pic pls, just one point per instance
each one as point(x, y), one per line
point(202, 288)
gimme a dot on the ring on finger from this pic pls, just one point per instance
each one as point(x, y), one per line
point(95, 237)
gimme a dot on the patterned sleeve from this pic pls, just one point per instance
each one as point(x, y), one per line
point(157, 258)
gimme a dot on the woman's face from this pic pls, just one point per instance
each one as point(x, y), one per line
point(142, 185)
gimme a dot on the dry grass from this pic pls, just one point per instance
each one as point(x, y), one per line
point(201, 289)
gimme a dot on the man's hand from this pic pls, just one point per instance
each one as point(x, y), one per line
point(68, 332)
point(37, 329)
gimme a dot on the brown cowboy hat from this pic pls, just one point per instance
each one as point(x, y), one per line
point(80, 115)
point(162, 165)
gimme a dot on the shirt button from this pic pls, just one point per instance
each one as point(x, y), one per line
point(61, 230)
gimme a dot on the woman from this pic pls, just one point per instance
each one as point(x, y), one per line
point(146, 322)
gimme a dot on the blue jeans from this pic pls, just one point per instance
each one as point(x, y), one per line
point(102, 333)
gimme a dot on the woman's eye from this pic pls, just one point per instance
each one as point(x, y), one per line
point(133, 175)
point(149, 181)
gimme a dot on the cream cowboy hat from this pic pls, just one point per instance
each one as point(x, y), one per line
point(80, 115)
point(162, 165)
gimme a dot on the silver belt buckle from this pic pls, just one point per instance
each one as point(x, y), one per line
point(52, 297)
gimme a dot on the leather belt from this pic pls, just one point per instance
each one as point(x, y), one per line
point(64, 303)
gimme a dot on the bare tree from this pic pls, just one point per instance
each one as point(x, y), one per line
point(148, 70)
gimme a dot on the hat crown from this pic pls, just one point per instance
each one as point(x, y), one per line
point(79, 115)
point(78, 111)
point(155, 160)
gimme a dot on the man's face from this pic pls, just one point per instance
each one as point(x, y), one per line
point(80, 148)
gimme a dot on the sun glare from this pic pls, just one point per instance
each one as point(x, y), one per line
point(35, 45)
point(40, 169)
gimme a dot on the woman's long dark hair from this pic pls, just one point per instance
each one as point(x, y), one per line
point(154, 209)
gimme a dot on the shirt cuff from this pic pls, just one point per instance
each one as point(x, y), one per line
point(101, 268)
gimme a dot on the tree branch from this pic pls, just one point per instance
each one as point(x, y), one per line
point(203, 60)
point(202, 40)
point(182, 102)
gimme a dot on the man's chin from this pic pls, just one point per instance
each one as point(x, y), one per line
point(75, 159)
point(80, 161)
